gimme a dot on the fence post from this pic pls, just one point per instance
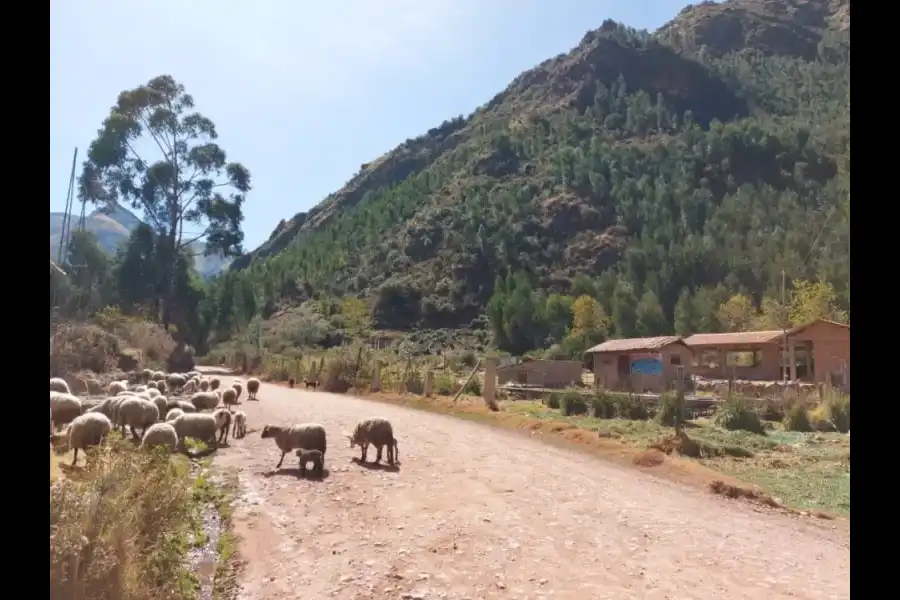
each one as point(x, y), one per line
point(376, 376)
point(489, 389)
point(429, 383)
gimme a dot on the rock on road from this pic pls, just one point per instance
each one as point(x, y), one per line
point(480, 513)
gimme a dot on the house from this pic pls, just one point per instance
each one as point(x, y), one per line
point(640, 364)
point(541, 373)
point(818, 351)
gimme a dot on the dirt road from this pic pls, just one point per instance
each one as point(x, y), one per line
point(479, 513)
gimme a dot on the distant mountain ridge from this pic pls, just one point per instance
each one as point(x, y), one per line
point(112, 229)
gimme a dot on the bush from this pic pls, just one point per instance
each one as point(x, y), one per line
point(735, 414)
point(573, 403)
point(83, 347)
point(338, 375)
point(670, 409)
point(796, 418)
point(444, 385)
point(554, 401)
point(834, 409)
point(473, 388)
point(631, 407)
point(128, 519)
point(603, 406)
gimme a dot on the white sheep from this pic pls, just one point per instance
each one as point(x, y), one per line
point(141, 388)
point(146, 374)
point(252, 388)
point(152, 393)
point(176, 381)
point(214, 383)
point(107, 407)
point(306, 435)
point(190, 387)
point(204, 385)
point(193, 374)
point(173, 414)
point(229, 397)
point(158, 376)
point(205, 400)
point(115, 387)
point(183, 405)
point(160, 434)
point(379, 433)
point(240, 424)
point(64, 408)
point(86, 431)
point(152, 385)
point(136, 413)
point(238, 387)
point(58, 384)
point(162, 404)
point(200, 426)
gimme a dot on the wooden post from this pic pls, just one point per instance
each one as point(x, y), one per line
point(679, 402)
point(468, 379)
point(429, 383)
point(376, 376)
point(489, 389)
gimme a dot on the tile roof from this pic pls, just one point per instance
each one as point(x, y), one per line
point(734, 339)
point(629, 344)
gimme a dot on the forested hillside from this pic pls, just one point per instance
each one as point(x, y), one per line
point(661, 174)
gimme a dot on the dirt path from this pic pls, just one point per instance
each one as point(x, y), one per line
point(479, 513)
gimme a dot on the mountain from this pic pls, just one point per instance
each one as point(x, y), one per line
point(112, 228)
point(672, 168)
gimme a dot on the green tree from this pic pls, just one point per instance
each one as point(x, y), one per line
point(649, 317)
point(624, 315)
point(137, 273)
point(156, 153)
point(357, 319)
point(684, 314)
point(737, 313)
point(814, 300)
point(588, 315)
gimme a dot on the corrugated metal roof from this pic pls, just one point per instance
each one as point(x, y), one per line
point(741, 338)
point(633, 344)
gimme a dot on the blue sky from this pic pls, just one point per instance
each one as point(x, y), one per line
point(304, 91)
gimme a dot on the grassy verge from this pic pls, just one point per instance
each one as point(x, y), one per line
point(123, 526)
point(804, 471)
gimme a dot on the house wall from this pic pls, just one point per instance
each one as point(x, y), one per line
point(606, 369)
point(768, 368)
point(831, 350)
point(545, 373)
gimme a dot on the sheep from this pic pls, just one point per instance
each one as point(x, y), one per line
point(136, 412)
point(238, 388)
point(146, 374)
point(86, 431)
point(162, 387)
point(64, 408)
point(311, 456)
point(160, 434)
point(162, 404)
point(141, 388)
point(152, 393)
point(200, 426)
point(204, 385)
point(223, 422)
point(379, 433)
point(193, 374)
point(183, 405)
point(205, 400)
point(240, 424)
point(174, 414)
point(108, 407)
point(214, 383)
point(58, 384)
point(252, 388)
point(306, 435)
point(115, 387)
point(158, 376)
point(152, 385)
point(176, 381)
point(190, 387)
point(229, 397)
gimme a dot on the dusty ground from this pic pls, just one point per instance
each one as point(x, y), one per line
point(475, 512)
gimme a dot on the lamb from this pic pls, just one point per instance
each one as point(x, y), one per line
point(173, 414)
point(136, 412)
point(176, 381)
point(200, 426)
point(214, 383)
point(379, 433)
point(238, 388)
point(58, 384)
point(240, 424)
point(86, 431)
point(223, 422)
point(311, 456)
point(229, 397)
point(307, 435)
point(252, 388)
point(115, 387)
point(204, 385)
point(160, 434)
point(205, 400)
point(64, 408)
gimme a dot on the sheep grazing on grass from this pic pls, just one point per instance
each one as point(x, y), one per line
point(238, 387)
point(58, 384)
point(229, 397)
point(88, 430)
point(176, 381)
point(311, 456)
point(115, 387)
point(306, 435)
point(214, 383)
point(173, 414)
point(136, 413)
point(252, 388)
point(379, 433)
point(240, 424)
point(205, 400)
point(200, 426)
point(160, 434)
point(108, 407)
point(64, 408)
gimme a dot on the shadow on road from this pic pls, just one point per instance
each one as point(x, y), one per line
point(372, 466)
point(295, 472)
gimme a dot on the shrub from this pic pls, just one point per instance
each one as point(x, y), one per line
point(554, 401)
point(603, 406)
point(837, 409)
point(573, 403)
point(444, 385)
point(631, 407)
point(735, 414)
point(83, 347)
point(796, 418)
point(127, 519)
point(473, 388)
point(670, 408)
point(338, 375)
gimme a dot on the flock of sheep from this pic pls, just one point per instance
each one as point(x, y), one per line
point(163, 421)
point(142, 405)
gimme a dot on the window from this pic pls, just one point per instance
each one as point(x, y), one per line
point(675, 359)
point(743, 358)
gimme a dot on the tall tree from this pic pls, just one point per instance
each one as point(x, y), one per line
point(156, 153)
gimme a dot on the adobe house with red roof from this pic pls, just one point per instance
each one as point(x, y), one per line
point(640, 364)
